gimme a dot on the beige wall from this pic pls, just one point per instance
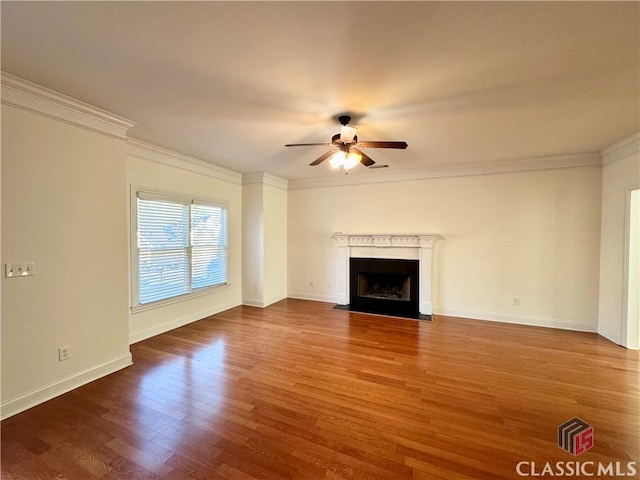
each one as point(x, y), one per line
point(252, 244)
point(64, 208)
point(153, 175)
point(618, 177)
point(275, 244)
point(265, 240)
point(534, 236)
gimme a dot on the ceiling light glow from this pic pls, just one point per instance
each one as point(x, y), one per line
point(338, 159)
point(352, 160)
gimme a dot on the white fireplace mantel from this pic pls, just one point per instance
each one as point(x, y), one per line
point(405, 246)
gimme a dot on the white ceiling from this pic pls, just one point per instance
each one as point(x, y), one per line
point(464, 83)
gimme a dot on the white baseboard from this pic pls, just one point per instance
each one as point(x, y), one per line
point(272, 300)
point(41, 395)
point(255, 302)
point(609, 335)
point(489, 316)
point(313, 296)
point(140, 335)
point(517, 319)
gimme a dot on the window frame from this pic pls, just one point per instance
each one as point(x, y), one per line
point(133, 247)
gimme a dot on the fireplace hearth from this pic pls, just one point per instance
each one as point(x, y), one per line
point(384, 286)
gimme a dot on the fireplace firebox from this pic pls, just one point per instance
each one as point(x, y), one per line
point(385, 286)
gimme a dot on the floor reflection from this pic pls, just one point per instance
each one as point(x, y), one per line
point(191, 384)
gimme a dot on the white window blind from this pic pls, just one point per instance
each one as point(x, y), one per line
point(209, 245)
point(182, 246)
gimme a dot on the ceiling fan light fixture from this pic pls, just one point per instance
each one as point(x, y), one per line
point(347, 133)
point(345, 148)
point(351, 161)
point(338, 160)
point(345, 160)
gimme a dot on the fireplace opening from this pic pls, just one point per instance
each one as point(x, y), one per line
point(385, 286)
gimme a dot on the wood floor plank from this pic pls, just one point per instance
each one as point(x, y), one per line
point(299, 391)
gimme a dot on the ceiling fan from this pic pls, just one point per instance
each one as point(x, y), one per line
point(345, 148)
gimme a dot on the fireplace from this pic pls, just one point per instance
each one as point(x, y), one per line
point(417, 248)
point(385, 286)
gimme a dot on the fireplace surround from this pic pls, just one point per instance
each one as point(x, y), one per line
point(415, 247)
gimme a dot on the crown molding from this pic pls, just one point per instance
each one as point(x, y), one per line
point(591, 159)
point(147, 151)
point(29, 96)
point(622, 149)
point(265, 178)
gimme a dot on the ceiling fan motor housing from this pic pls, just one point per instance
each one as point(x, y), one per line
point(336, 139)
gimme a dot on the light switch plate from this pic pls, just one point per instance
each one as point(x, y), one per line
point(12, 270)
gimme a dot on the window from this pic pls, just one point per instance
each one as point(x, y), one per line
point(182, 247)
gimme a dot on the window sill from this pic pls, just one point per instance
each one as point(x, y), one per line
point(181, 298)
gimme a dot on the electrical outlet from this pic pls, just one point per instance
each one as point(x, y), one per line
point(516, 301)
point(64, 353)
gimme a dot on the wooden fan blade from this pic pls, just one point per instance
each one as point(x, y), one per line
point(400, 145)
point(321, 159)
point(366, 160)
point(307, 144)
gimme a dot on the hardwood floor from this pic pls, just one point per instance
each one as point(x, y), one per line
point(301, 391)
